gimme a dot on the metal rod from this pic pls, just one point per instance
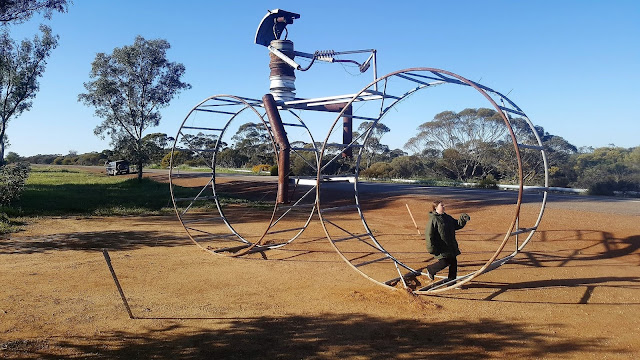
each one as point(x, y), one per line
point(284, 57)
point(533, 147)
point(280, 137)
point(200, 128)
point(215, 111)
point(115, 279)
point(353, 52)
point(517, 227)
point(375, 71)
point(412, 219)
point(347, 131)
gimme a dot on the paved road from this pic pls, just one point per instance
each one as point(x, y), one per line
point(597, 204)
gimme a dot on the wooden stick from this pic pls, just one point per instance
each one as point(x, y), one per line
point(113, 275)
point(412, 219)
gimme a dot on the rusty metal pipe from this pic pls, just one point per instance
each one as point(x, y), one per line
point(347, 131)
point(280, 136)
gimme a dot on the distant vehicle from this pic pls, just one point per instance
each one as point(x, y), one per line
point(117, 167)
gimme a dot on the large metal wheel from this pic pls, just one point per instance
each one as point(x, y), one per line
point(380, 252)
point(236, 214)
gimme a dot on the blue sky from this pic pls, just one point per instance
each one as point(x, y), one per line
point(572, 66)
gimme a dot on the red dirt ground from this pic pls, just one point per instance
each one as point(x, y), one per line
point(574, 293)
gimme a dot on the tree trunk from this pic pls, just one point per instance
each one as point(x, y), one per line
point(2, 132)
point(1, 153)
point(139, 169)
point(139, 153)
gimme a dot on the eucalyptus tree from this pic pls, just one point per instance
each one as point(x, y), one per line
point(557, 149)
point(21, 65)
point(18, 11)
point(467, 140)
point(128, 89)
point(373, 146)
point(253, 141)
point(204, 142)
point(608, 169)
point(154, 148)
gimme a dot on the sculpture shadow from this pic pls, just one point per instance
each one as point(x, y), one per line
point(601, 245)
point(323, 337)
point(589, 285)
point(89, 241)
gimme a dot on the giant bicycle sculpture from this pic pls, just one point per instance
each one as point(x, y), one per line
point(284, 210)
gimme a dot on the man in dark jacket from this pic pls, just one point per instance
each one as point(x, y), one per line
point(440, 234)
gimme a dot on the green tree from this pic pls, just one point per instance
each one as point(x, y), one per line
point(202, 145)
point(475, 143)
point(466, 140)
point(179, 157)
point(608, 169)
point(252, 140)
point(153, 148)
point(200, 141)
point(129, 88)
point(231, 158)
point(380, 170)
point(157, 146)
point(12, 157)
point(91, 159)
point(374, 147)
point(12, 180)
point(19, 11)
point(633, 160)
point(303, 162)
point(406, 167)
point(557, 149)
point(21, 64)
point(41, 159)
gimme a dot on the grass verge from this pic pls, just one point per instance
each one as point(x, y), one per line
point(59, 192)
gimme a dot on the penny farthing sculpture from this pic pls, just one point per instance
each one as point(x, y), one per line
point(237, 215)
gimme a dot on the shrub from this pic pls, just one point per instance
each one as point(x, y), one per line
point(273, 170)
point(12, 180)
point(69, 160)
point(406, 167)
point(231, 158)
point(609, 186)
point(8, 225)
point(196, 162)
point(489, 182)
point(261, 167)
point(41, 159)
point(12, 157)
point(179, 158)
point(92, 158)
point(378, 170)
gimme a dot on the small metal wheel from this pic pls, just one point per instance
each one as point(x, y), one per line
point(230, 213)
